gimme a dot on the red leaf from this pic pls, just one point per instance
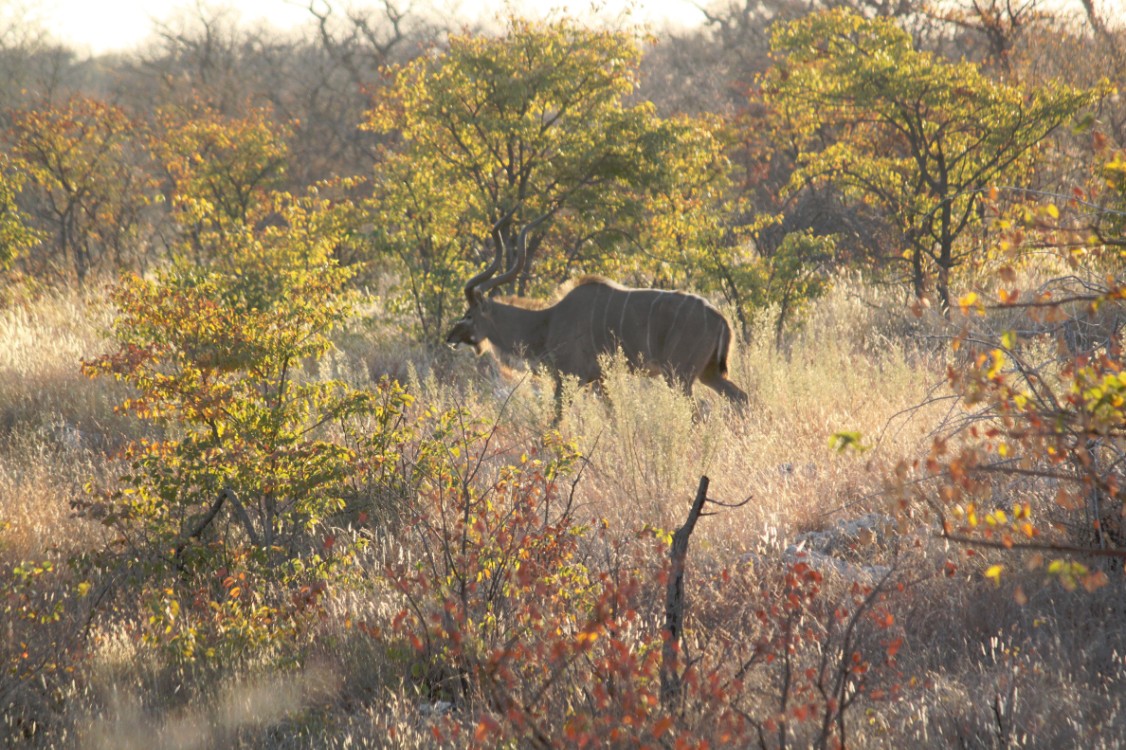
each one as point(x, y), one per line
point(662, 726)
point(485, 727)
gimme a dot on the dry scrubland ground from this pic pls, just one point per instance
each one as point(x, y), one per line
point(978, 670)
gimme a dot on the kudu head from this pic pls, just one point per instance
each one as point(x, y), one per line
point(473, 327)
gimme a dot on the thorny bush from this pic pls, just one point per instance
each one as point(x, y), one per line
point(1035, 461)
point(541, 631)
point(225, 518)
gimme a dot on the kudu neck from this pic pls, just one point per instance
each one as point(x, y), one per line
point(515, 330)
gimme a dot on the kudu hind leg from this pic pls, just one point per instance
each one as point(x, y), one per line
point(718, 382)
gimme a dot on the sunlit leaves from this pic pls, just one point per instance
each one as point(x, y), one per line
point(17, 237)
point(222, 171)
point(85, 160)
point(844, 441)
point(1072, 574)
point(788, 280)
point(1038, 468)
point(1111, 173)
point(993, 573)
point(538, 121)
point(906, 131)
point(220, 359)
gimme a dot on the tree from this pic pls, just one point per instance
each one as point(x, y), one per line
point(419, 220)
point(220, 355)
point(1000, 24)
point(501, 130)
point(16, 236)
point(221, 172)
point(1109, 225)
point(90, 185)
point(907, 132)
point(790, 278)
point(317, 82)
point(329, 85)
point(36, 67)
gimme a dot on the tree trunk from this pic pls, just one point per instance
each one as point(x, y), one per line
point(918, 281)
point(945, 266)
point(674, 601)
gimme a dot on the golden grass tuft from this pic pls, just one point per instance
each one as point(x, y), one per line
point(41, 383)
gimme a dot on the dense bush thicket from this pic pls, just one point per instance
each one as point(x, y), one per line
point(274, 475)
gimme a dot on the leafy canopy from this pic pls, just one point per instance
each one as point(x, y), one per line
point(906, 131)
point(84, 162)
point(536, 121)
point(17, 237)
point(222, 172)
point(221, 357)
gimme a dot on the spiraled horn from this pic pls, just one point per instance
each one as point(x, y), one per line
point(521, 254)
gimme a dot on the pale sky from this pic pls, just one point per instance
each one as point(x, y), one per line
point(98, 26)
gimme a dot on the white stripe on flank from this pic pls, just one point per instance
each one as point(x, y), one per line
point(722, 344)
point(703, 328)
point(649, 329)
point(593, 342)
point(622, 322)
point(605, 317)
point(676, 331)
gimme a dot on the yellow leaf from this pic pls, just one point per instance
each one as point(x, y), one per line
point(994, 572)
point(998, 363)
point(587, 638)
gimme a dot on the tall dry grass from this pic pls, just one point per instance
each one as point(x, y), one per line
point(41, 385)
point(55, 424)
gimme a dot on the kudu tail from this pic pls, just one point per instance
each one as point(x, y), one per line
point(715, 373)
point(723, 347)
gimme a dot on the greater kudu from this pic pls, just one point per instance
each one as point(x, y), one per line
point(674, 334)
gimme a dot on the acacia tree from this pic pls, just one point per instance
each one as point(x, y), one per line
point(906, 132)
point(16, 236)
point(82, 162)
point(260, 453)
point(534, 122)
point(221, 171)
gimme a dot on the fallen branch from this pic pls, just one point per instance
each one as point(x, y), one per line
point(1068, 549)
